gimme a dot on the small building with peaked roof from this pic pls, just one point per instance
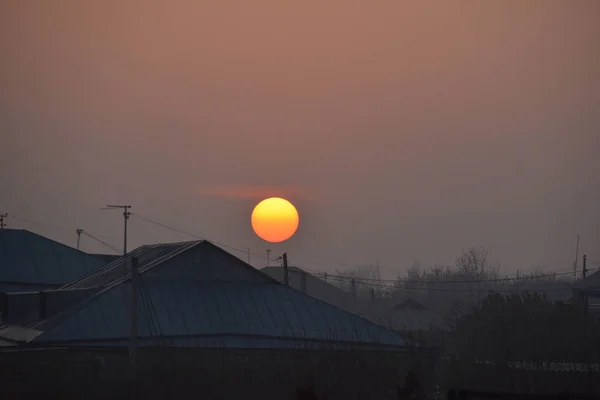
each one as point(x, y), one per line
point(33, 262)
point(409, 315)
point(205, 316)
point(196, 294)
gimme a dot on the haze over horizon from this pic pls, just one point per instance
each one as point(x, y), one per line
point(401, 131)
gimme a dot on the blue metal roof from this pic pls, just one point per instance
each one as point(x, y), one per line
point(146, 256)
point(30, 261)
point(224, 313)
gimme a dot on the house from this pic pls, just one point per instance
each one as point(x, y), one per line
point(205, 319)
point(412, 315)
point(194, 294)
point(29, 261)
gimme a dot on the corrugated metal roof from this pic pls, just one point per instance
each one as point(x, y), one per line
point(213, 311)
point(313, 286)
point(32, 261)
point(147, 256)
point(107, 258)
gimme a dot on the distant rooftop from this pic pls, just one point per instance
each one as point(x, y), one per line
point(32, 262)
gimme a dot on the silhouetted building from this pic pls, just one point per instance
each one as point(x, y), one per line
point(29, 261)
point(194, 294)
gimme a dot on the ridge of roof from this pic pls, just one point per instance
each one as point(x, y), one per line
point(56, 318)
point(37, 235)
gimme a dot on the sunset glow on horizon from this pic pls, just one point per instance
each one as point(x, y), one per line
point(274, 219)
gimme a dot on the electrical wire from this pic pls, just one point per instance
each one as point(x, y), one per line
point(52, 226)
point(526, 278)
point(434, 289)
point(110, 246)
point(370, 282)
point(245, 251)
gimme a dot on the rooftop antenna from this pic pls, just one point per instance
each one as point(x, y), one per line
point(576, 260)
point(134, 289)
point(2, 224)
point(126, 215)
point(79, 232)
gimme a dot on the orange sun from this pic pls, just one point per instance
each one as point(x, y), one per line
point(274, 219)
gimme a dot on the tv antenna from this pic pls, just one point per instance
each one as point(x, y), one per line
point(134, 290)
point(126, 215)
point(79, 232)
point(576, 260)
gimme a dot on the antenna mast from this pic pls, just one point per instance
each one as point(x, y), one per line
point(134, 289)
point(79, 232)
point(576, 260)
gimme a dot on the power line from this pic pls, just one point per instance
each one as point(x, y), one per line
point(241, 250)
point(245, 251)
point(110, 246)
point(51, 226)
point(537, 277)
point(488, 290)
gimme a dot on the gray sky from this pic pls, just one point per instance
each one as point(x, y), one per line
point(400, 130)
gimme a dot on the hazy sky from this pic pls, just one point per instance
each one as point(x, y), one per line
point(401, 130)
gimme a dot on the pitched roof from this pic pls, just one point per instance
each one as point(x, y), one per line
point(32, 261)
point(146, 257)
point(151, 256)
point(217, 310)
point(410, 304)
point(206, 295)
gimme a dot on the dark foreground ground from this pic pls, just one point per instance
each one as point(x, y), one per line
point(208, 374)
point(233, 374)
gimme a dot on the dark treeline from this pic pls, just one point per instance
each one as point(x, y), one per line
point(529, 332)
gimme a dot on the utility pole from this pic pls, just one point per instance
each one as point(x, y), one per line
point(248, 256)
point(325, 276)
point(576, 260)
point(79, 232)
point(2, 224)
point(286, 276)
point(584, 270)
point(268, 256)
point(353, 283)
